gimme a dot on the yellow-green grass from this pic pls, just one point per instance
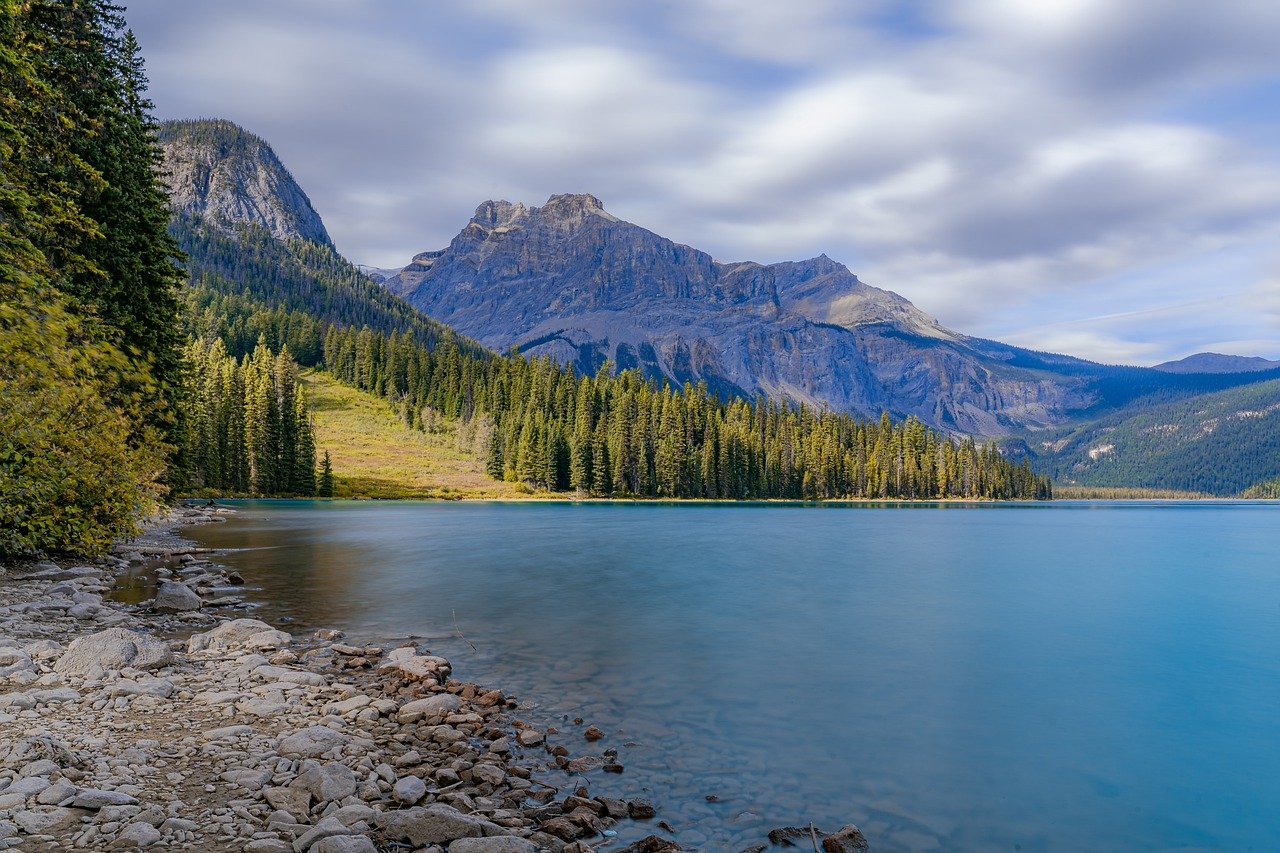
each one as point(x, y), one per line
point(374, 455)
point(1123, 493)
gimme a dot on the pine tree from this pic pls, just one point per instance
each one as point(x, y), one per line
point(325, 487)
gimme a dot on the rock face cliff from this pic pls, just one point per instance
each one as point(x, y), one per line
point(570, 280)
point(226, 175)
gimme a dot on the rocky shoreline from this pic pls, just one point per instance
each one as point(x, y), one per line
point(164, 725)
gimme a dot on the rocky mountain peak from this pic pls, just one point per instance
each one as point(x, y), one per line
point(492, 215)
point(570, 209)
point(226, 175)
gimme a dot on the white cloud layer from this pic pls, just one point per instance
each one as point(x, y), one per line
point(1060, 174)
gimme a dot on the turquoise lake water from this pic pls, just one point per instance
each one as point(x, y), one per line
point(1065, 676)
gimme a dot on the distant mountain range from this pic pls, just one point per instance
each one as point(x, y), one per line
point(572, 281)
point(1220, 443)
point(1212, 362)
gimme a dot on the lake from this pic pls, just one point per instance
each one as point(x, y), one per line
point(1062, 676)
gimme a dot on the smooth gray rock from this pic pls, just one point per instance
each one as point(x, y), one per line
point(56, 794)
point(489, 773)
point(14, 660)
point(293, 801)
point(37, 821)
point(409, 790)
point(160, 688)
point(91, 798)
point(252, 780)
point(311, 742)
point(325, 782)
point(17, 701)
point(28, 786)
point(137, 834)
point(430, 706)
point(112, 649)
point(344, 844)
point(292, 676)
point(239, 634)
point(326, 828)
point(435, 824)
point(353, 814)
point(268, 845)
point(174, 597)
point(83, 612)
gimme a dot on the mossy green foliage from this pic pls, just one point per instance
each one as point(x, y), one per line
point(89, 364)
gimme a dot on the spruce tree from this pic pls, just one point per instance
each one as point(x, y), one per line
point(325, 486)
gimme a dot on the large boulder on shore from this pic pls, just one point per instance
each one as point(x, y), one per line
point(311, 742)
point(417, 667)
point(114, 648)
point(239, 634)
point(14, 661)
point(174, 597)
point(438, 705)
point(435, 824)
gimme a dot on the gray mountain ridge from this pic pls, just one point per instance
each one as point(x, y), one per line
point(226, 175)
point(1216, 362)
point(572, 281)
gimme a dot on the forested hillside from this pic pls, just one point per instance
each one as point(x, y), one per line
point(620, 435)
point(245, 284)
point(90, 356)
point(1220, 443)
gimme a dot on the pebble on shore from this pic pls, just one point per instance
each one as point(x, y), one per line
point(240, 737)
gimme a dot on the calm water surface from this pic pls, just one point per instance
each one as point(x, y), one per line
point(997, 677)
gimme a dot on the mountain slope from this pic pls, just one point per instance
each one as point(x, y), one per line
point(572, 281)
point(223, 174)
point(259, 259)
point(1212, 362)
point(1222, 443)
point(376, 456)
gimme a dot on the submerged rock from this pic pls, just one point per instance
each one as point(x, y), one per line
point(174, 597)
point(847, 839)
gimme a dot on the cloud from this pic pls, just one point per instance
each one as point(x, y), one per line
point(1009, 166)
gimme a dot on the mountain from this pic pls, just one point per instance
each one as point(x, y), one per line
point(259, 260)
point(1223, 443)
point(224, 175)
point(1212, 362)
point(574, 282)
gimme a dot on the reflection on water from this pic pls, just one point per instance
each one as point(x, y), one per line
point(1066, 676)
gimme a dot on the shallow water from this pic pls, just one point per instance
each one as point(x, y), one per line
point(1058, 676)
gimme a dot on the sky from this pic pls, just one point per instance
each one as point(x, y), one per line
point(1092, 177)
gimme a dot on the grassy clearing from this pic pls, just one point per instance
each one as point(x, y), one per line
point(375, 455)
point(1122, 493)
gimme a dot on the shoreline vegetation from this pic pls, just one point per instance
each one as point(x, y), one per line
point(166, 722)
